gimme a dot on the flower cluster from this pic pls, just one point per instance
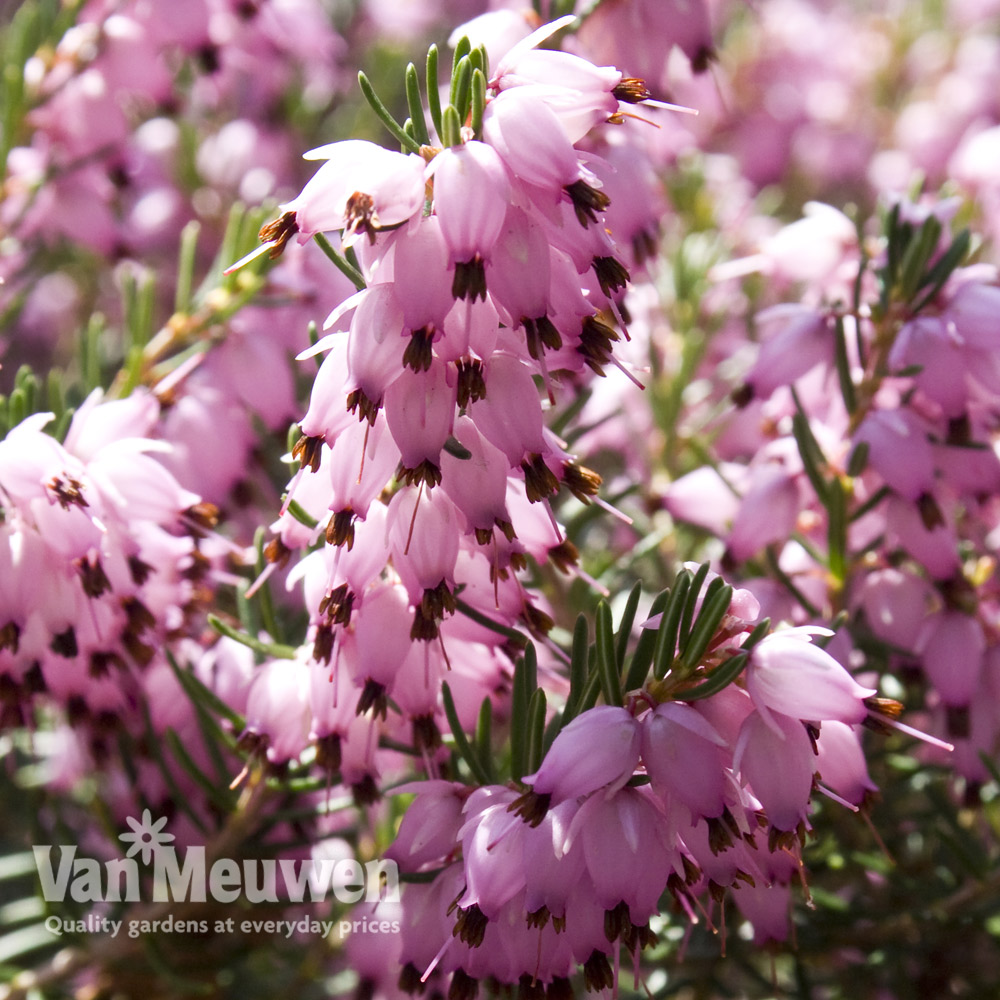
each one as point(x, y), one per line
point(104, 559)
point(425, 462)
point(629, 803)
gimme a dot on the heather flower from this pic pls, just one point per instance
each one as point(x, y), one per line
point(899, 450)
point(774, 755)
point(597, 750)
point(951, 647)
point(684, 757)
point(277, 710)
point(361, 188)
point(471, 193)
point(428, 832)
point(840, 762)
point(621, 835)
point(788, 674)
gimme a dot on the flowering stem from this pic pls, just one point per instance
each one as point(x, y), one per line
point(351, 273)
point(276, 651)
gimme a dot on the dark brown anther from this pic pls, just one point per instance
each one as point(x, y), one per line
point(564, 556)
point(308, 451)
point(631, 90)
point(463, 986)
point(539, 480)
point(471, 383)
point(596, 339)
point(64, 644)
point(426, 472)
point(276, 551)
point(541, 333)
point(365, 792)
point(612, 274)
point(373, 696)
point(328, 753)
point(139, 571)
point(531, 807)
point(470, 280)
point(279, 232)
point(203, 515)
point(587, 201)
point(68, 492)
point(582, 482)
point(418, 355)
point(340, 529)
point(93, 579)
point(597, 972)
point(426, 735)
point(10, 636)
point(360, 215)
point(470, 926)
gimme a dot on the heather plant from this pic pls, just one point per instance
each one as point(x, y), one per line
point(542, 541)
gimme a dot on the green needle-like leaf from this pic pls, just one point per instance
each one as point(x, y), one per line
point(713, 610)
point(394, 128)
point(606, 662)
point(415, 106)
point(462, 744)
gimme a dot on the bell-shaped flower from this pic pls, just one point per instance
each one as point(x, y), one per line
point(138, 485)
point(767, 513)
point(895, 604)
point(899, 451)
point(478, 484)
point(374, 349)
point(931, 345)
point(278, 708)
point(420, 260)
point(423, 531)
point(518, 275)
point(428, 831)
point(684, 757)
point(510, 416)
point(419, 409)
point(599, 749)
point(775, 756)
point(98, 422)
point(380, 645)
point(952, 646)
point(841, 764)
point(552, 869)
point(627, 856)
point(361, 188)
point(361, 461)
point(528, 136)
point(790, 675)
point(471, 193)
point(794, 339)
point(491, 848)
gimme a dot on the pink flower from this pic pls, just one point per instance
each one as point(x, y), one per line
point(899, 450)
point(684, 757)
point(794, 339)
point(775, 756)
point(951, 647)
point(840, 762)
point(597, 750)
point(361, 188)
point(471, 192)
point(628, 857)
point(428, 831)
point(790, 675)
